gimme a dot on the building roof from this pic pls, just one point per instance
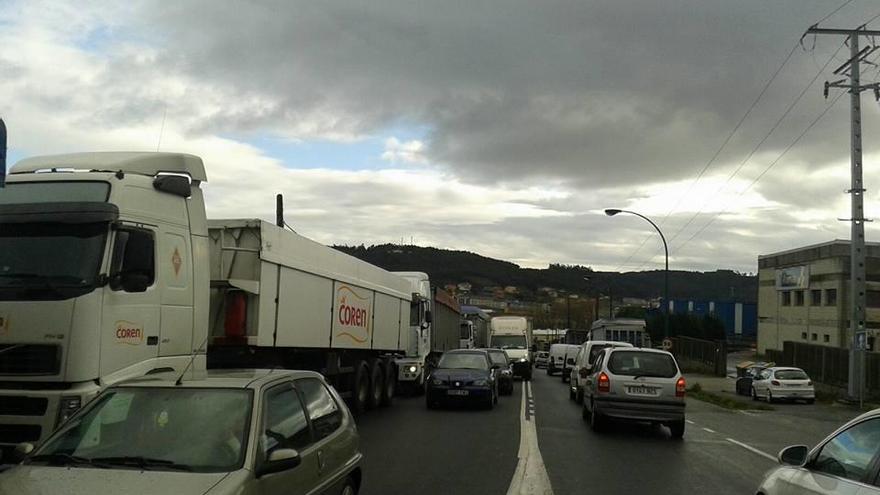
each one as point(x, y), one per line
point(832, 249)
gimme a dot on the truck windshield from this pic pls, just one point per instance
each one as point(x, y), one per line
point(174, 429)
point(509, 341)
point(49, 261)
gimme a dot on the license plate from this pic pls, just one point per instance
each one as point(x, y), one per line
point(641, 390)
point(456, 392)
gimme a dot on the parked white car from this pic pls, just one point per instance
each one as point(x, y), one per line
point(583, 362)
point(783, 383)
point(843, 463)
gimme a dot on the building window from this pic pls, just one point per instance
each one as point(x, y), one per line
point(814, 337)
point(816, 297)
point(786, 298)
point(804, 335)
point(826, 338)
point(798, 298)
point(830, 297)
point(873, 298)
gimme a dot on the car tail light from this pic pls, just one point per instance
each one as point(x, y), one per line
point(604, 384)
point(775, 383)
point(680, 386)
point(235, 326)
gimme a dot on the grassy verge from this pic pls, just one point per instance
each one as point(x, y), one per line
point(697, 392)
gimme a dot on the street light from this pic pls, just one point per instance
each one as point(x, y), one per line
point(613, 211)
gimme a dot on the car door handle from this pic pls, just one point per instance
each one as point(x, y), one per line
point(320, 461)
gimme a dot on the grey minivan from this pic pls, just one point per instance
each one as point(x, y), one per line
point(241, 432)
point(632, 383)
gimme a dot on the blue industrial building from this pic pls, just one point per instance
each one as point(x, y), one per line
point(740, 319)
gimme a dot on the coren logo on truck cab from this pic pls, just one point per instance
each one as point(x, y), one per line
point(352, 314)
point(129, 333)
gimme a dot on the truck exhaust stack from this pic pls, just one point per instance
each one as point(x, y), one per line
point(2, 153)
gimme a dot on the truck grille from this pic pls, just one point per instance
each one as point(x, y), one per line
point(19, 433)
point(29, 359)
point(23, 406)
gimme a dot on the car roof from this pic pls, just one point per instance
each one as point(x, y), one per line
point(467, 351)
point(784, 368)
point(615, 343)
point(638, 349)
point(226, 378)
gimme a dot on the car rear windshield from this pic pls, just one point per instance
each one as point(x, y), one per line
point(640, 363)
point(499, 358)
point(470, 361)
point(596, 350)
point(791, 375)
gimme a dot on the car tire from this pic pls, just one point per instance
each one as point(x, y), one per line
point(360, 390)
point(579, 396)
point(390, 383)
point(677, 429)
point(377, 384)
point(769, 396)
point(528, 376)
point(549, 371)
point(570, 394)
point(754, 394)
point(811, 401)
point(349, 488)
point(585, 413)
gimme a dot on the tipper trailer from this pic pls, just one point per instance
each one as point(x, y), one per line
point(109, 270)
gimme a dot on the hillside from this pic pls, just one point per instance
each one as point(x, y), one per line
point(454, 267)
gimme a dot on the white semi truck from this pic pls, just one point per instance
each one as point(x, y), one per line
point(109, 269)
point(514, 335)
point(433, 330)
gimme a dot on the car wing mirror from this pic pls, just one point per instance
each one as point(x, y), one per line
point(795, 455)
point(584, 372)
point(279, 460)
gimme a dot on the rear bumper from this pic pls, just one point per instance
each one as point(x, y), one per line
point(639, 410)
point(796, 393)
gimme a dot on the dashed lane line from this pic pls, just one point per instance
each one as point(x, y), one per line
point(530, 476)
point(709, 430)
point(689, 422)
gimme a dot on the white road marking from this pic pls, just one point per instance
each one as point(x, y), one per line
point(752, 449)
point(530, 476)
point(689, 422)
point(709, 430)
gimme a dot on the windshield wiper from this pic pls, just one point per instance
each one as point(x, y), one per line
point(62, 459)
point(142, 462)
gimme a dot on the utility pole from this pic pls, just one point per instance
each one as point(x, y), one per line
point(857, 221)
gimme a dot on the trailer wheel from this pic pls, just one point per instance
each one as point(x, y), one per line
point(390, 383)
point(360, 388)
point(377, 384)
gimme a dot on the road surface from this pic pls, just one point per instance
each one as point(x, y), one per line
point(540, 444)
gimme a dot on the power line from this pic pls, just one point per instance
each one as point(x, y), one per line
point(844, 4)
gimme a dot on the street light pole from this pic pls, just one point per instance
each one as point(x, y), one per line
point(611, 212)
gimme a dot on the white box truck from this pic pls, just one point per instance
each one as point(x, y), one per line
point(433, 329)
point(110, 270)
point(514, 335)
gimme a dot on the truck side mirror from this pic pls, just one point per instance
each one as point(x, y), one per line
point(429, 318)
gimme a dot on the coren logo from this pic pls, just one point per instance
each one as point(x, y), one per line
point(352, 314)
point(129, 333)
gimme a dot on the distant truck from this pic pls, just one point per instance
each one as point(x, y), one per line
point(433, 329)
point(630, 330)
point(480, 320)
point(466, 334)
point(514, 335)
point(110, 270)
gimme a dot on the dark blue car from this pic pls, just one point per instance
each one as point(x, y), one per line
point(463, 376)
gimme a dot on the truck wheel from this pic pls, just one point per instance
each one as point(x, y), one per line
point(390, 383)
point(360, 388)
point(377, 384)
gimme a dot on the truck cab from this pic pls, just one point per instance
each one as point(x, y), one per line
point(97, 283)
point(411, 368)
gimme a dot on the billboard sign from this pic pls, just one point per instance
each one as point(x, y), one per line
point(793, 277)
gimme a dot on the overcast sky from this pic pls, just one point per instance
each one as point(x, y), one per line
point(499, 127)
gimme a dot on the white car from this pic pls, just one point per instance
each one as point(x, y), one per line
point(558, 355)
point(583, 362)
point(783, 383)
point(843, 463)
point(541, 359)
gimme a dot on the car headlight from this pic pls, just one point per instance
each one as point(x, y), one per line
point(412, 369)
point(482, 382)
point(523, 360)
point(67, 408)
point(437, 381)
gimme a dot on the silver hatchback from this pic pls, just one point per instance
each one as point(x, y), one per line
point(635, 384)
